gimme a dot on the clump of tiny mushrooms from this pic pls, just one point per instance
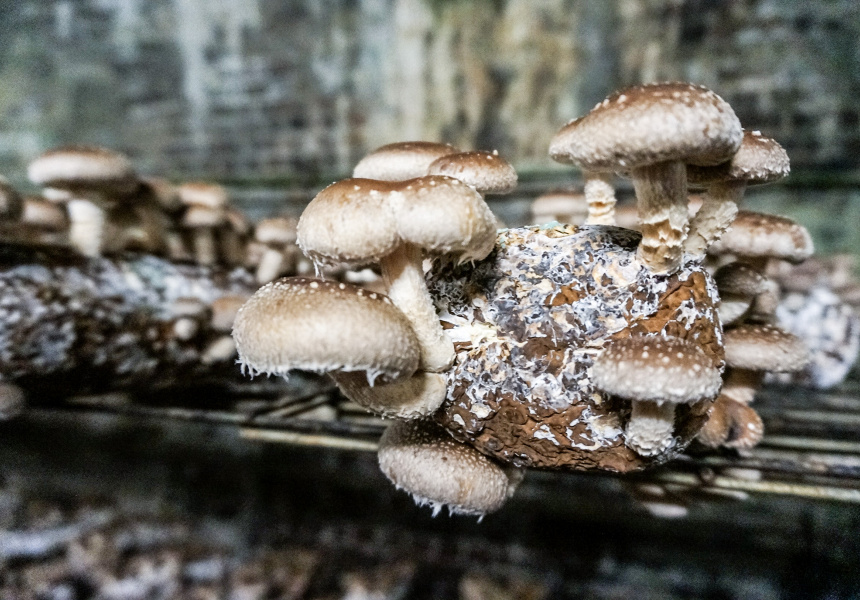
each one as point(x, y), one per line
point(390, 352)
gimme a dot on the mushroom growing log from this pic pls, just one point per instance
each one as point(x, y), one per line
point(77, 326)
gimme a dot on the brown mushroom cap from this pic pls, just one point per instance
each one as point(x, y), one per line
point(754, 234)
point(358, 221)
point(401, 160)
point(202, 193)
point(203, 216)
point(738, 279)
point(423, 459)
point(83, 168)
point(487, 172)
point(648, 124)
point(764, 348)
point(276, 230)
point(224, 310)
point(319, 325)
point(760, 159)
point(656, 369)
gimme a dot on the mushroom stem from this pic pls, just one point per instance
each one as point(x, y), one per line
point(649, 431)
point(271, 265)
point(600, 196)
point(661, 197)
point(403, 275)
point(205, 251)
point(718, 210)
point(86, 226)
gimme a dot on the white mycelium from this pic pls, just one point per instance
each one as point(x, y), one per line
point(528, 322)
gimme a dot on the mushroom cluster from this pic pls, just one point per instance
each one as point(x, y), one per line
point(555, 346)
point(95, 202)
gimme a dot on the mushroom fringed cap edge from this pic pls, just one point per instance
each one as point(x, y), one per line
point(651, 123)
point(656, 369)
point(321, 326)
point(423, 459)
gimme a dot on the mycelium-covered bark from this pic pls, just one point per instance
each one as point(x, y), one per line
point(529, 320)
point(75, 325)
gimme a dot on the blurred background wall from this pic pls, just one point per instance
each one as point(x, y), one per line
point(278, 92)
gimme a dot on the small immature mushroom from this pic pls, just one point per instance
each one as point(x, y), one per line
point(759, 160)
point(89, 180)
point(323, 326)
point(401, 160)
point(277, 235)
point(731, 424)
point(655, 373)
point(418, 396)
point(359, 221)
point(206, 212)
point(423, 459)
point(487, 172)
point(653, 131)
point(739, 284)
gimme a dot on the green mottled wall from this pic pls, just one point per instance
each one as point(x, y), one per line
point(274, 92)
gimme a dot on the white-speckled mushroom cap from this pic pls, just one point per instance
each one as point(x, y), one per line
point(401, 160)
point(656, 369)
point(764, 348)
point(349, 222)
point(423, 459)
point(754, 234)
point(443, 215)
point(648, 124)
point(83, 168)
point(203, 193)
point(358, 221)
point(319, 325)
point(739, 279)
point(487, 172)
point(760, 159)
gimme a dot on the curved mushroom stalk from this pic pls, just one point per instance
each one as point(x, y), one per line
point(661, 196)
point(600, 196)
point(403, 276)
point(655, 373)
point(413, 398)
point(421, 458)
point(718, 210)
